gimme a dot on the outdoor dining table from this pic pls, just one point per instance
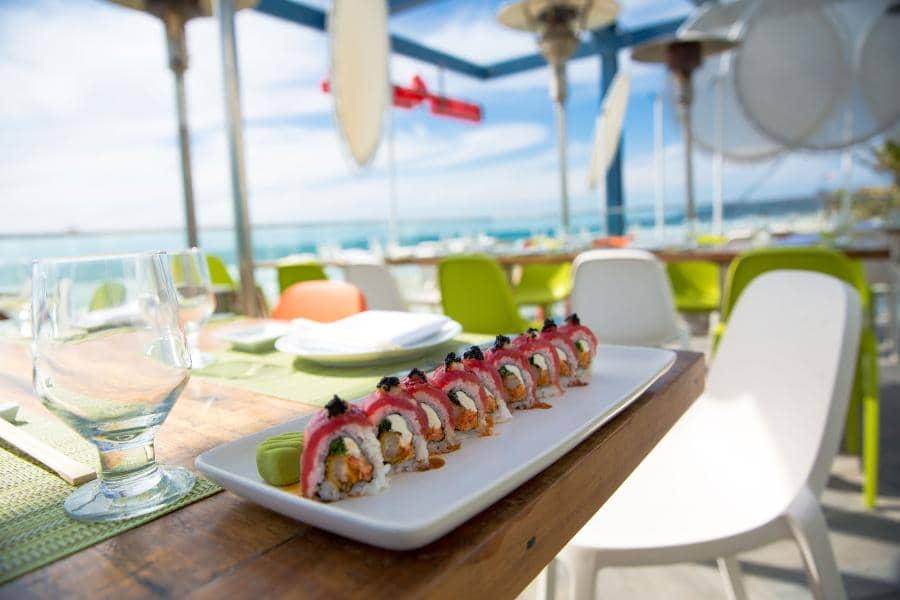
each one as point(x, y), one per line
point(223, 546)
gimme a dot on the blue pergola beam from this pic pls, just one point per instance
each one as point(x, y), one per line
point(397, 6)
point(315, 18)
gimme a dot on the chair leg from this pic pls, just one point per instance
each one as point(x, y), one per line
point(870, 450)
point(732, 577)
point(854, 410)
point(810, 531)
point(581, 566)
point(546, 585)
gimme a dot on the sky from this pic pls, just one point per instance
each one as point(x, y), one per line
point(88, 127)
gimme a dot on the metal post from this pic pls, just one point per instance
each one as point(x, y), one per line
point(717, 162)
point(615, 218)
point(659, 179)
point(236, 155)
point(393, 225)
point(685, 97)
point(558, 92)
point(173, 22)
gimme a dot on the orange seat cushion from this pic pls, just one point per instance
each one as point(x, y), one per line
point(323, 300)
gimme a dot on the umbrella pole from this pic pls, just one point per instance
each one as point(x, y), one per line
point(558, 92)
point(178, 62)
point(236, 155)
point(660, 171)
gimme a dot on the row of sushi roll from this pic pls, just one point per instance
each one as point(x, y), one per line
point(350, 450)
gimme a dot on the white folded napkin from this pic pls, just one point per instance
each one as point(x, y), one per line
point(370, 331)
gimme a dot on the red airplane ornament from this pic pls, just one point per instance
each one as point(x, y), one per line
point(442, 106)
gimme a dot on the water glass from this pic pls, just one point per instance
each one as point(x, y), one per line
point(196, 300)
point(110, 360)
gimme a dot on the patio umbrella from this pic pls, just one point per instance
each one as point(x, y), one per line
point(682, 55)
point(557, 24)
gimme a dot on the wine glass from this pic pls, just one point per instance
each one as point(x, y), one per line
point(110, 360)
point(196, 300)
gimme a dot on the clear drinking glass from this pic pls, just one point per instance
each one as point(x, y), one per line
point(110, 360)
point(196, 300)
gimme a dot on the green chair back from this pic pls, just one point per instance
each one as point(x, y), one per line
point(695, 285)
point(218, 272)
point(107, 295)
point(753, 263)
point(475, 292)
point(291, 273)
point(544, 284)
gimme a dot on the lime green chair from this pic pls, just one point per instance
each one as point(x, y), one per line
point(475, 292)
point(696, 285)
point(864, 398)
point(543, 285)
point(218, 272)
point(107, 295)
point(291, 273)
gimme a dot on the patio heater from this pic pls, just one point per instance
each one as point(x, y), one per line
point(174, 14)
point(557, 24)
point(683, 55)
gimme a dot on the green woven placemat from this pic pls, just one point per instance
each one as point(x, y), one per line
point(34, 529)
point(284, 376)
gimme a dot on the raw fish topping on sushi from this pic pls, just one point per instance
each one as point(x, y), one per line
point(582, 338)
point(438, 411)
point(474, 362)
point(401, 423)
point(544, 363)
point(341, 456)
point(565, 351)
point(466, 394)
point(515, 375)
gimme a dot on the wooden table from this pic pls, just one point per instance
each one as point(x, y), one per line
point(226, 547)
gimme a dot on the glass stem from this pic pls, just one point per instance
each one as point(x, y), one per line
point(192, 337)
point(129, 470)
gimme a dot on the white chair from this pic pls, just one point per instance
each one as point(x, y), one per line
point(377, 285)
point(626, 298)
point(746, 464)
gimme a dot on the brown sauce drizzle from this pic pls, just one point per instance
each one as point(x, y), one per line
point(435, 462)
point(541, 405)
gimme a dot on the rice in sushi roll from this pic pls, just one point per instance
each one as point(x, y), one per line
point(441, 434)
point(466, 394)
point(584, 341)
point(401, 424)
point(341, 455)
point(569, 375)
point(515, 374)
point(544, 363)
point(473, 361)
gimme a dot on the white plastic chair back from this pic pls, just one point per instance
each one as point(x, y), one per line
point(789, 355)
point(625, 297)
point(377, 285)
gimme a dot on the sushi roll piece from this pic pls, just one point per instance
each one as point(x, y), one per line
point(466, 394)
point(585, 343)
point(401, 425)
point(473, 361)
point(544, 363)
point(569, 375)
point(438, 409)
point(341, 455)
point(515, 374)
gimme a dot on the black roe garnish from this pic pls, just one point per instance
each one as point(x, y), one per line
point(387, 383)
point(450, 359)
point(532, 332)
point(474, 352)
point(549, 324)
point(336, 407)
point(500, 341)
point(573, 319)
point(418, 375)
point(384, 426)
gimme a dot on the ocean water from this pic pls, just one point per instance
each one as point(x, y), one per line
point(274, 241)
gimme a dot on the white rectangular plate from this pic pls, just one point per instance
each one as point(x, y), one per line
point(418, 508)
